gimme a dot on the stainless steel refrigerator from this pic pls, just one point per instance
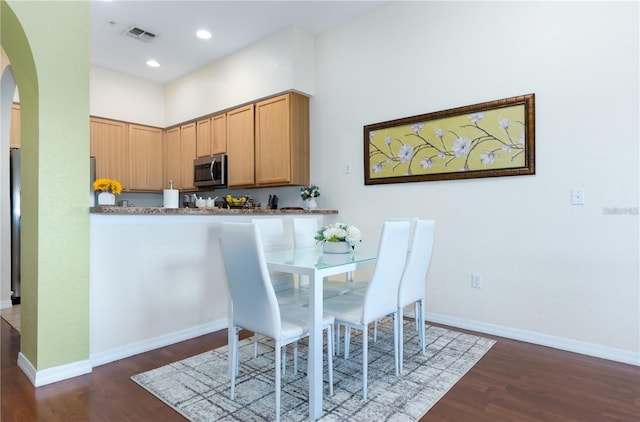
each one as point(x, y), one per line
point(14, 164)
point(14, 169)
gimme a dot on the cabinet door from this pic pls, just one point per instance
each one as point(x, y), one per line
point(240, 147)
point(110, 146)
point(282, 141)
point(187, 154)
point(172, 160)
point(203, 138)
point(219, 134)
point(14, 131)
point(145, 149)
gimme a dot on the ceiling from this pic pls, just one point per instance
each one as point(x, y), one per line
point(233, 24)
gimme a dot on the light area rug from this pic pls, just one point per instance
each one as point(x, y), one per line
point(199, 387)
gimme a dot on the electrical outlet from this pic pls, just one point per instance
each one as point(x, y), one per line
point(347, 168)
point(577, 196)
point(476, 280)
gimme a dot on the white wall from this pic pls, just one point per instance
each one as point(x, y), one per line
point(115, 95)
point(280, 62)
point(550, 269)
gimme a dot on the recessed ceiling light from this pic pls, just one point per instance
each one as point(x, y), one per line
point(153, 63)
point(203, 34)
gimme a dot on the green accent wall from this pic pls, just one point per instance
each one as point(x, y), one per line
point(47, 43)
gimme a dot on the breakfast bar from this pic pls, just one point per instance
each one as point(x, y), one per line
point(157, 276)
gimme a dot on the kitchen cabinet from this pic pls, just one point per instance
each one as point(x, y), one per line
point(219, 134)
point(146, 158)
point(109, 144)
point(179, 153)
point(203, 138)
point(240, 146)
point(282, 141)
point(187, 155)
point(171, 149)
point(14, 130)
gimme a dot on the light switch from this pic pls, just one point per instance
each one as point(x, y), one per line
point(577, 196)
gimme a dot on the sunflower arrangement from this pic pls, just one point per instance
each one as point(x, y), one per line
point(108, 185)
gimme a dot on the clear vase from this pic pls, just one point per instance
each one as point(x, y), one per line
point(310, 204)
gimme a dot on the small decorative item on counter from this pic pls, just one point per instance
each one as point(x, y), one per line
point(338, 237)
point(309, 195)
point(108, 189)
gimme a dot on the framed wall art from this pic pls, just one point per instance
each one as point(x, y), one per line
point(491, 139)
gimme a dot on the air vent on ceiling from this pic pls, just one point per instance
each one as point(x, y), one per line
point(141, 34)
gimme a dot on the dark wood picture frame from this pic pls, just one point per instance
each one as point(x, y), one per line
point(491, 139)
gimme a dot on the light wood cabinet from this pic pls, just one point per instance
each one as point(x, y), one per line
point(282, 141)
point(172, 159)
point(110, 147)
point(146, 158)
point(219, 134)
point(187, 155)
point(203, 138)
point(14, 130)
point(240, 146)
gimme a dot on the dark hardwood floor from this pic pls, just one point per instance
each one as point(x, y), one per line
point(514, 381)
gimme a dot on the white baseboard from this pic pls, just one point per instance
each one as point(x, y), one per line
point(51, 375)
point(128, 350)
point(5, 304)
point(575, 346)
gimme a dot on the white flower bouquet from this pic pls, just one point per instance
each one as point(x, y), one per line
point(339, 232)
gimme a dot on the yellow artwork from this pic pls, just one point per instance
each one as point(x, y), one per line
point(489, 139)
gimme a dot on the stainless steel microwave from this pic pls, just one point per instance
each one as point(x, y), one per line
point(210, 172)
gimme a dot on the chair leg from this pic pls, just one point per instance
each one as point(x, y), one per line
point(375, 331)
point(400, 335)
point(295, 357)
point(330, 357)
point(421, 332)
point(255, 345)
point(365, 360)
point(396, 321)
point(415, 314)
point(233, 356)
point(347, 341)
point(277, 351)
point(336, 347)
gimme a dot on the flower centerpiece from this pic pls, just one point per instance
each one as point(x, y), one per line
point(108, 190)
point(338, 237)
point(309, 195)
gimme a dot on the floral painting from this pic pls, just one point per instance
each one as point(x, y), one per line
point(482, 140)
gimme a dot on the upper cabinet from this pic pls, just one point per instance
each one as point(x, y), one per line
point(188, 136)
point(282, 141)
point(203, 138)
point(219, 134)
point(179, 153)
point(240, 147)
point(172, 160)
point(146, 158)
point(110, 147)
point(14, 131)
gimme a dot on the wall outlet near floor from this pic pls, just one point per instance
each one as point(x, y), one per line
point(476, 280)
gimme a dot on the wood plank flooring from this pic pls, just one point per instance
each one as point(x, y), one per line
point(514, 381)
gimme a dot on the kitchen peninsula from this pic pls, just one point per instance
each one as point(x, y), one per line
point(157, 276)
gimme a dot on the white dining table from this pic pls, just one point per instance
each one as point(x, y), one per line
point(316, 264)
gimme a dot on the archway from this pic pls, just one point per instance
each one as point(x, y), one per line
point(54, 99)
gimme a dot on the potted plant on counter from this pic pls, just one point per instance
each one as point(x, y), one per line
point(108, 189)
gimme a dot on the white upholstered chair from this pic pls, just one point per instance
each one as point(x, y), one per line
point(254, 303)
point(381, 297)
point(412, 283)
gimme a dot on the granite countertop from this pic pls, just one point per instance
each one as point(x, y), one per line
point(114, 210)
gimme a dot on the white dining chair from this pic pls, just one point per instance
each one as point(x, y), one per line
point(381, 297)
point(412, 284)
point(254, 302)
point(274, 238)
